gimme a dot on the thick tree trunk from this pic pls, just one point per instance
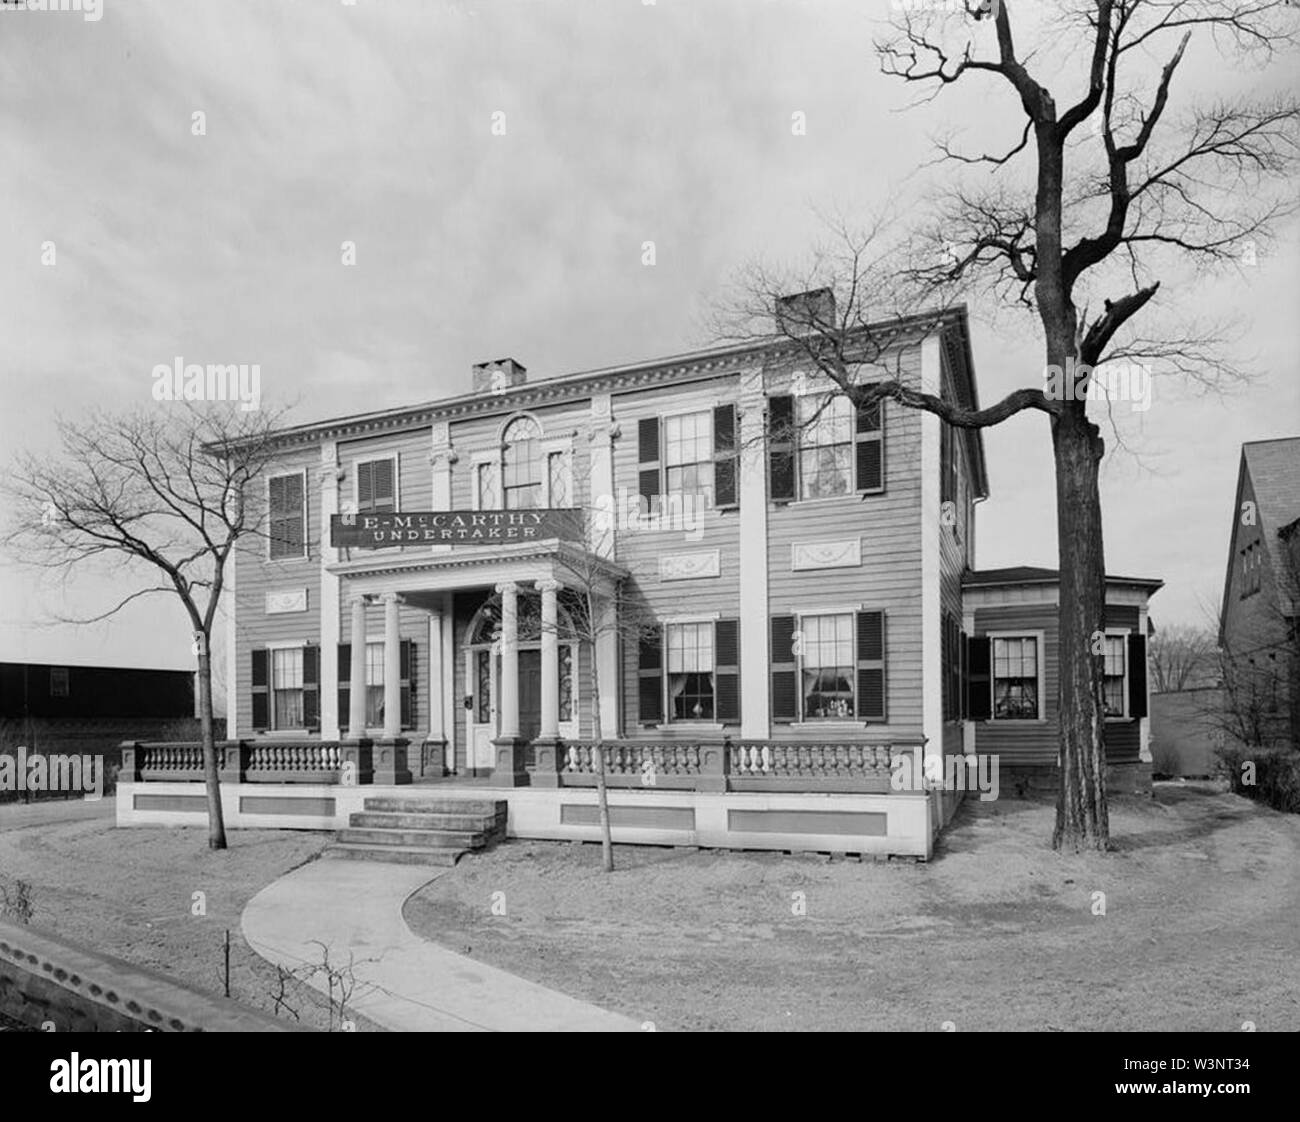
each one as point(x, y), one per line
point(216, 821)
point(1081, 818)
point(598, 739)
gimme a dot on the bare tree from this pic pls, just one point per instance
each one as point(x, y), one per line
point(161, 496)
point(1181, 656)
point(1157, 194)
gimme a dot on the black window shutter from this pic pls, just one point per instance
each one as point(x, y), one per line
point(869, 456)
point(979, 682)
point(1137, 675)
point(785, 693)
point(365, 485)
point(650, 662)
point(296, 531)
point(408, 683)
point(726, 670)
point(345, 677)
point(871, 666)
point(261, 698)
point(647, 438)
point(311, 687)
point(780, 448)
point(384, 495)
point(963, 678)
point(725, 491)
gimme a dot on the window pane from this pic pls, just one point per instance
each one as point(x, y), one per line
point(828, 667)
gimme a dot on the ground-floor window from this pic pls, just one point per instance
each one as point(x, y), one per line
point(286, 689)
point(1015, 678)
point(826, 656)
point(690, 671)
point(1114, 676)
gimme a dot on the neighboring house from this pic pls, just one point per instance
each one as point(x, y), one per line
point(809, 628)
point(1259, 621)
point(91, 709)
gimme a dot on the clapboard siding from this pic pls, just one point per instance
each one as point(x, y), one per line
point(255, 576)
point(640, 551)
point(889, 578)
point(1037, 742)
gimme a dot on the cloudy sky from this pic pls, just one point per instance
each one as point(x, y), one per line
point(625, 122)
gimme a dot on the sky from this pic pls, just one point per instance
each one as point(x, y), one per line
point(624, 122)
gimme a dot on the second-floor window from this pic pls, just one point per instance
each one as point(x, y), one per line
point(688, 455)
point(288, 515)
point(377, 485)
point(825, 446)
point(521, 465)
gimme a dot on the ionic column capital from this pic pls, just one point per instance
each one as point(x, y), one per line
point(548, 585)
point(508, 588)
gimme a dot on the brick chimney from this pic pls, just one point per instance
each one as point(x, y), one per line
point(498, 376)
point(805, 312)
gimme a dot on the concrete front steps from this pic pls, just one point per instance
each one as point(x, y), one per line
point(420, 830)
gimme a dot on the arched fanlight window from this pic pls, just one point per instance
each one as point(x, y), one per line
point(522, 464)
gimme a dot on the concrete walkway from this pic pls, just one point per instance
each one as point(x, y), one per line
point(404, 982)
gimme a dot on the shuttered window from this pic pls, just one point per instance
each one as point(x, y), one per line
point(377, 485)
point(726, 491)
point(726, 673)
point(781, 656)
point(286, 688)
point(688, 457)
point(1137, 675)
point(979, 679)
point(1015, 679)
point(648, 464)
point(820, 448)
point(869, 438)
point(871, 666)
point(690, 671)
point(650, 686)
point(261, 696)
point(287, 516)
point(1113, 676)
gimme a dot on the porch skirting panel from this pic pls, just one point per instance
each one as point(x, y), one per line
point(899, 824)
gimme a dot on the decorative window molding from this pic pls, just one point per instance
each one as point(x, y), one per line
point(286, 600)
point(690, 566)
point(845, 553)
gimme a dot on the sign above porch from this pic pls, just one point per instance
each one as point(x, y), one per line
point(453, 527)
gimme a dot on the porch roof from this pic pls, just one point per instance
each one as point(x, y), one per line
point(453, 567)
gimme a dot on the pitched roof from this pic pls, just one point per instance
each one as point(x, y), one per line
point(1274, 467)
point(1032, 574)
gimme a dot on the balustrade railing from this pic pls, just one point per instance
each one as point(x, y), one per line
point(237, 761)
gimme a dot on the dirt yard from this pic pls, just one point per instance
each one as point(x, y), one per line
point(130, 892)
point(1201, 929)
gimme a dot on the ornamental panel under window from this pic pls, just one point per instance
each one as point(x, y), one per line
point(1113, 696)
point(690, 671)
point(826, 646)
point(825, 446)
point(1015, 679)
point(688, 455)
point(286, 688)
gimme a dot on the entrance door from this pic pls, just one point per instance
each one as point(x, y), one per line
point(530, 694)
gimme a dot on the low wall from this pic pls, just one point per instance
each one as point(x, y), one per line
point(45, 980)
point(872, 824)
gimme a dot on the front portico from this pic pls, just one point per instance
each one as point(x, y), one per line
point(518, 659)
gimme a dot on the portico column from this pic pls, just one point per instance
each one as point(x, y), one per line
point(357, 685)
point(392, 668)
point(509, 770)
point(509, 659)
point(355, 751)
point(550, 660)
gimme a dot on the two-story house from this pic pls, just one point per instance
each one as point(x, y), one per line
point(802, 572)
point(1259, 619)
